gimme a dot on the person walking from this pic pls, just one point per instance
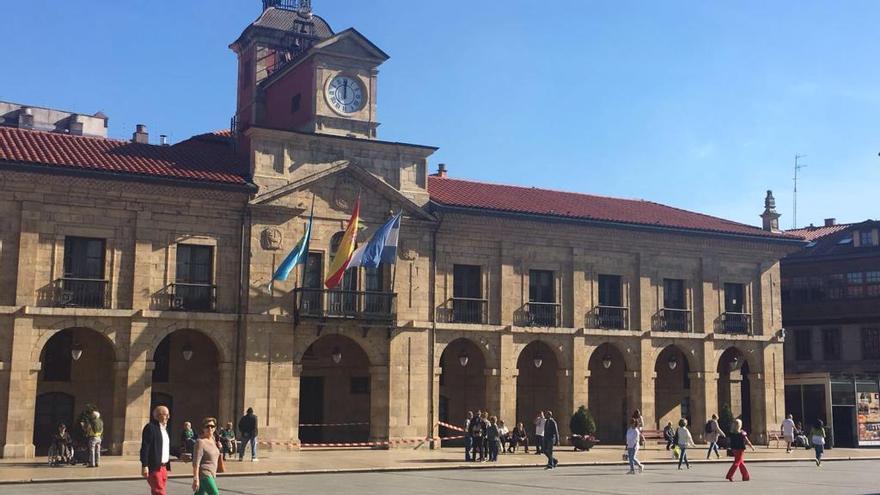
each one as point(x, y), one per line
point(817, 438)
point(485, 419)
point(637, 415)
point(738, 441)
point(468, 440)
point(247, 426)
point(493, 439)
point(788, 429)
point(669, 435)
point(205, 457)
point(94, 429)
point(540, 421)
point(633, 435)
point(551, 438)
point(685, 440)
point(476, 432)
point(156, 451)
point(713, 433)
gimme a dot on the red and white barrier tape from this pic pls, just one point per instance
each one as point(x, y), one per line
point(359, 444)
point(451, 427)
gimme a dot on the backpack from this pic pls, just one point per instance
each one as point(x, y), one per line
point(709, 427)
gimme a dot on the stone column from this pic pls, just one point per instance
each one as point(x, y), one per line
point(704, 400)
point(380, 398)
point(138, 388)
point(760, 399)
point(227, 410)
point(648, 377)
point(23, 374)
point(435, 405)
point(565, 380)
point(296, 373)
point(579, 373)
point(506, 384)
point(634, 394)
point(493, 390)
point(120, 382)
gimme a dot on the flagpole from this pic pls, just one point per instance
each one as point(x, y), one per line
point(302, 273)
point(394, 265)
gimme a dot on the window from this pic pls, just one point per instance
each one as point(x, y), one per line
point(541, 286)
point(610, 290)
point(295, 102)
point(871, 343)
point(836, 284)
point(673, 294)
point(193, 288)
point(733, 298)
point(84, 258)
point(803, 347)
point(467, 306)
point(831, 344)
point(866, 238)
point(313, 281)
point(360, 385)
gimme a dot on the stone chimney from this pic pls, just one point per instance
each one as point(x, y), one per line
point(140, 135)
point(26, 118)
point(441, 170)
point(770, 217)
point(830, 222)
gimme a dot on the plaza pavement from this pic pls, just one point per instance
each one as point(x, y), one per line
point(277, 462)
point(800, 478)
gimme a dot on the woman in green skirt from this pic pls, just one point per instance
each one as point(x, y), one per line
point(205, 458)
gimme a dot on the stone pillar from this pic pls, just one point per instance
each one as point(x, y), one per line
point(704, 400)
point(23, 374)
point(120, 382)
point(435, 405)
point(566, 402)
point(380, 399)
point(506, 384)
point(579, 373)
point(226, 394)
point(296, 373)
point(648, 377)
point(138, 389)
point(634, 394)
point(493, 390)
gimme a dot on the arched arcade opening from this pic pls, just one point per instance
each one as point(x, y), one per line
point(607, 392)
point(672, 387)
point(537, 383)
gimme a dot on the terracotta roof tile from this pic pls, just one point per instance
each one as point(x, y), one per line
point(530, 200)
point(814, 233)
point(205, 160)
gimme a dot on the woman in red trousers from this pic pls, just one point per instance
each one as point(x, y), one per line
point(738, 441)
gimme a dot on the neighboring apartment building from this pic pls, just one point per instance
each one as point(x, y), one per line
point(831, 313)
point(135, 274)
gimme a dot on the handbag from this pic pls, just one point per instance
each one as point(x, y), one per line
point(221, 465)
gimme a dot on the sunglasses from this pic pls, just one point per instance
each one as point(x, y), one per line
point(210, 426)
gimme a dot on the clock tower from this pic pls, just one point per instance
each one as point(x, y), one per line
point(295, 73)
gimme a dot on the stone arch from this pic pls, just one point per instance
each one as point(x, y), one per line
point(374, 351)
point(485, 347)
point(672, 386)
point(87, 377)
point(107, 332)
point(537, 387)
point(462, 381)
point(607, 366)
point(221, 344)
point(336, 384)
point(734, 384)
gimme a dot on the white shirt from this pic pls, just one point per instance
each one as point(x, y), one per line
point(166, 445)
point(539, 426)
point(788, 428)
point(503, 430)
point(684, 437)
point(632, 438)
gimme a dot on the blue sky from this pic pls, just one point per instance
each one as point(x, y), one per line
point(700, 105)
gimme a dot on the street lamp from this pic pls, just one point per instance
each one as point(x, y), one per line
point(673, 362)
point(606, 361)
point(734, 362)
point(538, 360)
point(76, 351)
point(187, 351)
point(463, 359)
point(337, 355)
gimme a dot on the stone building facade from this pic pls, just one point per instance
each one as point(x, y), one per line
point(135, 274)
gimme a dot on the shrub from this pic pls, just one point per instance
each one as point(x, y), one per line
point(582, 422)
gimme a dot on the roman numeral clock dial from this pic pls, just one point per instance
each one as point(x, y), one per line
point(345, 94)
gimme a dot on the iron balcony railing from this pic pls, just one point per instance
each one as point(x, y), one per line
point(736, 322)
point(322, 303)
point(464, 310)
point(82, 293)
point(184, 296)
point(610, 317)
point(674, 320)
point(540, 314)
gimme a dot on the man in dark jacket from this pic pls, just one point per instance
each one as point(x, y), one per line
point(156, 451)
point(551, 438)
point(247, 426)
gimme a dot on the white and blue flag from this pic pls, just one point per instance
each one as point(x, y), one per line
point(381, 248)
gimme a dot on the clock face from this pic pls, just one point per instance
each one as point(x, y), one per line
point(345, 94)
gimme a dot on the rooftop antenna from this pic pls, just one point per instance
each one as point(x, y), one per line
point(797, 166)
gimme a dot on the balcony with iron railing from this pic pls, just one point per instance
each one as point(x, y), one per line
point(72, 292)
point(191, 297)
point(673, 320)
point(609, 317)
point(539, 314)
point(350, 304)
point(464, 310)
point(736, 323)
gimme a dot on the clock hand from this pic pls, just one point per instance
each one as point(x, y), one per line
point(344, 90)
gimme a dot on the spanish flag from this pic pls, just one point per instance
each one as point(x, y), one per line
point(345, 250)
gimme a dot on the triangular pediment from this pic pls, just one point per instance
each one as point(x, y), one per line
point(351, 43)
point(342, 181)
